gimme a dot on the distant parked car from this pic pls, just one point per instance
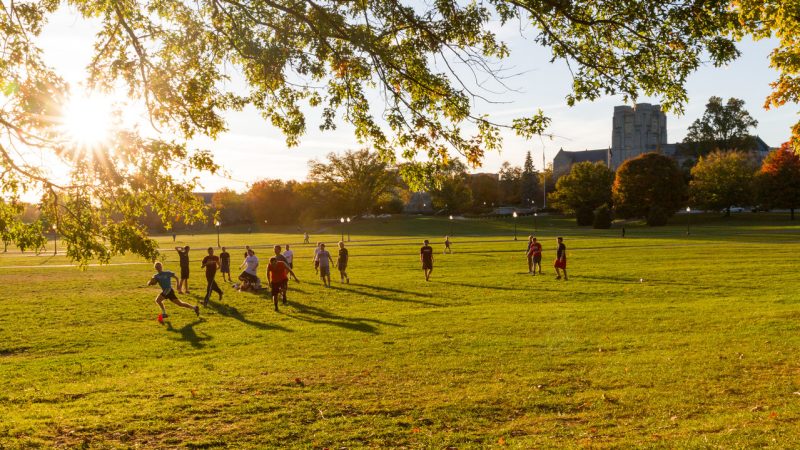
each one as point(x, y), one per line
point(737, 209)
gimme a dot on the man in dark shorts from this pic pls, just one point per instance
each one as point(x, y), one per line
point(426, 256)
point(225, 265)
point(447, 248)
point(341, 262)
point(164, 279)
point(183, 256)
point(534, 256)
point(278, 275)
point(210, 263)
point(561, 259)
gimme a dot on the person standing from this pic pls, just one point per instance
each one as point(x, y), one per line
point(426, 257)
point(211, 263)
point(561, 259)
point(447, 248)
point(534, 256)
point(278, 279)
point(324, 261)
point(164, 279)
point(316, 257)
point(225, 265)
point(289, 255)
point(306, 238)
point(183, 257)
point(341, 262)
point(528, 254)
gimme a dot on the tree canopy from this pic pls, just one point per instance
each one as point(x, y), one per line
point(586, 187)
point(426, 60)
point(722, 180)
point(646, 184)
point(722, 127)
point(778, 180)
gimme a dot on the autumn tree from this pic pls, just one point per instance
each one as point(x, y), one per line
point(485, 190)
point(721, 180)
point(273, 201)
point(231, 207)
point(586, 187)
point(650, 184)
point(723, 127)
point(356, 178)
point(778, 180)
point(449, 189)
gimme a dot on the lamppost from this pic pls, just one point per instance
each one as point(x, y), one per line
point(341, 220)
point(451, 225)
point(55, 240)
point(217, 224)
point(348, 229)
point(688, 220)
point(515, 224)
point(535, 224)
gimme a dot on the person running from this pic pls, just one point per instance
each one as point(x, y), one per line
point(534, 256)
point(249, 277)
point(316, 257)
point(289, 255)
point(324, 261)
point(211, 263)
point(426, 256)
point(341, 262)
point(306, 238)
point(183, 257)
point(225, 264)
point(447, 248)
point(164, 279)
point(561, 259)
point(278, 279)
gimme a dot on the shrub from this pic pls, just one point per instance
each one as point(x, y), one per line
point(657, 217)
point(602, 218)
point(584, 216)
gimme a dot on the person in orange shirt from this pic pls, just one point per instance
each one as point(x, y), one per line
point(278, 275)
point(534, 256)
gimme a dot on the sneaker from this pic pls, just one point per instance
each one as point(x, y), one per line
point(220, 297)
point(197, 310)
point(558, 277)
point(348, 280)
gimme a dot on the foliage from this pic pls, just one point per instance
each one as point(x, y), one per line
point(721, 180)
point(657, 216)
point(530, 189)
point(722, 127)
point(449, 189)
point(548, 183)
point(357, 179)
point(582, 190)
point(233, 208)
point(274, 202)
point(485, 190)
point(25, 234)
point(647, 181)
point(389, 205)
point(778, 180)
point(510, 183)
point(602, 218)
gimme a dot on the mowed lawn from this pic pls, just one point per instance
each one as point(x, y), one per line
point(657, 340)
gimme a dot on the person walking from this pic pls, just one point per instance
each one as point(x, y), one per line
point(211, 263)
point(306, 238)
point(561, 259)
point(447, 248)
point(324, 261)
point(341, 262)
point(534, 256)
point(426, 257)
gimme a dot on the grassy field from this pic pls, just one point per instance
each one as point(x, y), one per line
point(657, 340)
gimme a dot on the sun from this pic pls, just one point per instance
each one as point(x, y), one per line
point(87, 120)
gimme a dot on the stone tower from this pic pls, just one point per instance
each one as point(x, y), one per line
point(637, 130)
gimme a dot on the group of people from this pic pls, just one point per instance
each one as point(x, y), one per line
point(534, 253)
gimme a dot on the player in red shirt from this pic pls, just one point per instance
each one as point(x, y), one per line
point(534, 256)
point(561, 259)
point(278, 275)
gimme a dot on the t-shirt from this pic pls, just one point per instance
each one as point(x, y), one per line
point(289, 255)
point(252, 265)
point(281, 258)
point(427, 253)
point(324, 258)
point(535, 249)
point(164, 280)
point(211, 262)
point(278, 272)
point(343, 255)
point(184, 259)
point(562, 251)
point(225, 258)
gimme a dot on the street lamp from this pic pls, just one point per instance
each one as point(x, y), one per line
point(217, 224)
point(55, 240)
point(341, 220)
point(688, 220)
point(451, 225)
point(535, 224)
point(348, 229)
point(515, 224)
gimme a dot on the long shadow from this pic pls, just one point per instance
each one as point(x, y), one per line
point(479, 286)
point(188, 334)
point(231, 311)
point(321, 316)
point(380, 288)
point(385, 297)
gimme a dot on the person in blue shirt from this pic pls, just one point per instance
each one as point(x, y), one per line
point(164, 280)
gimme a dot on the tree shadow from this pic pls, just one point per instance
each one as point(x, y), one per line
point(380, 288)
point(348, 288)
point(188, 334)
point(231, 311)
point(313, 314)
point(478, 286)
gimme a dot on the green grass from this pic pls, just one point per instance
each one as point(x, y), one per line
point(700, 353)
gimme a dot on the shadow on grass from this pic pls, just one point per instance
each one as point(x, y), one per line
point(231, 311)
point(313, 314)
point(188, 334)
point(349, 288)
point(479, 286)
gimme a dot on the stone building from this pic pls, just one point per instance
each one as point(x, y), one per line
point(636, 130)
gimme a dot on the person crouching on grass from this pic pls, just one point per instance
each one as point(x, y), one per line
point(324, 261)
point(561, 259)
point(278, 275)
point(164, 279)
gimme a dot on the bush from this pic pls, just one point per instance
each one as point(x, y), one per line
point(584, 216)
point(602, 218)
point(657, 217)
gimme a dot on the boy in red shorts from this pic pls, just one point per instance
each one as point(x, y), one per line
point(278, 275)
point(561, 259)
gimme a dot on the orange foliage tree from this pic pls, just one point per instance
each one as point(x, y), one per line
point(779, 179)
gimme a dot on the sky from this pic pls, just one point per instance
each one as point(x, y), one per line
point(253, 149)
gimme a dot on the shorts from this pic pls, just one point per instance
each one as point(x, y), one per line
point(341, 266)
point(427, 265)
point(537, 259)
point(170, 295)
point(225, 268)
point(249, 277)
point(560, 264)
point(278, 286)
point(324, 271)
point(184, 273)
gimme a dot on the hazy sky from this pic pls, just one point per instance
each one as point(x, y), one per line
point(253, 149)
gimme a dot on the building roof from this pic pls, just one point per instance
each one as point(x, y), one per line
point(600, 154)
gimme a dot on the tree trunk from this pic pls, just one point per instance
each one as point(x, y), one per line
point(791, 211)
